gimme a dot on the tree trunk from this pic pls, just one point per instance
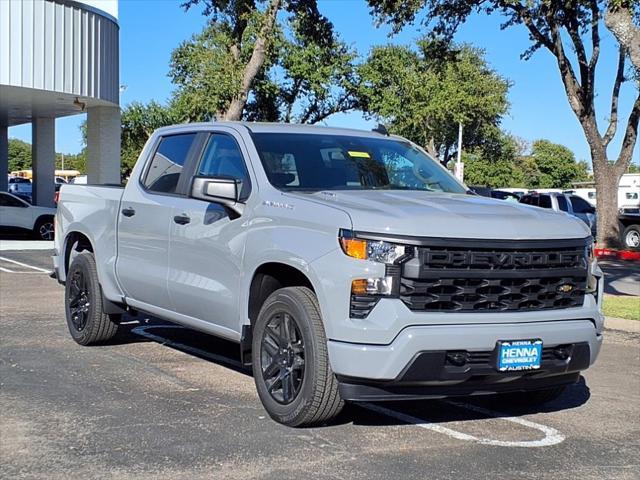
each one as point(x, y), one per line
point(607, 178)
point(255, 63)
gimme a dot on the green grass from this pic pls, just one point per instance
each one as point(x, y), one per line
point(622, 307)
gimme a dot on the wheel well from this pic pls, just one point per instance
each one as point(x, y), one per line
point(41, 218)
point(267, 279)
point(78, 242)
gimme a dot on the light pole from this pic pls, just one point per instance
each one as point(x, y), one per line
point(459, 170)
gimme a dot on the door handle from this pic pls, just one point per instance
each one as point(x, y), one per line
point(128, 212)
point(181, 219)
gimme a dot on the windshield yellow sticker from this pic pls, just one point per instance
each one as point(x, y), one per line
point(359, 154)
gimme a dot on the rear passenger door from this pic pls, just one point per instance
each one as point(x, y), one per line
point(207, 241)
point(145, 219)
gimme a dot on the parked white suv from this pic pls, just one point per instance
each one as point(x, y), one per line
point(16, 214)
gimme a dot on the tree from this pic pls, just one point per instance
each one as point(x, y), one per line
point(306, 75)
point(561, 28)
point(138, 123)
point(246, 31)
point(549, 165)
point(557, 165)
point(19, 155)
point(425, 94)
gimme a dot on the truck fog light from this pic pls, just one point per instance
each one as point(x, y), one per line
point(372, 286)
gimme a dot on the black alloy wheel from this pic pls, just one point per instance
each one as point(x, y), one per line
point(79, 300)
point(282, 352)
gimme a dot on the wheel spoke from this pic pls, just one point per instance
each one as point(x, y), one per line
point(271, 369)
point(286, 326)
point(276, 335)
point(275, 381)
point(287, 386)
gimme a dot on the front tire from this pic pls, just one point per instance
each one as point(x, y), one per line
point(290, 361)
point(87, 323)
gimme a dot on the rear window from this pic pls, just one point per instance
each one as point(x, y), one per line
point(562, 203)
point(165, 167)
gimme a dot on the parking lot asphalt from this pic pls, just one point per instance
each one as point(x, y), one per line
point(162, 401)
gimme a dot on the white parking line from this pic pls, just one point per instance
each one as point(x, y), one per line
point(551, 435)
point(2, 269)
point(24, 265)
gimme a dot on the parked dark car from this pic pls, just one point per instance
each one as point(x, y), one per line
point(499, 194)
point(562, 202)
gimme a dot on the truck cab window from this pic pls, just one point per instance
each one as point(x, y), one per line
point(545, 201)
point(562, 203)
point(222, 158)
point(166, 165)
point(580, 205)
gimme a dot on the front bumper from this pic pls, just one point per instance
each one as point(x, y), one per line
point(414, 364)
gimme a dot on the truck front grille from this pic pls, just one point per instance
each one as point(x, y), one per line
point(510, 276)
point(492, 294)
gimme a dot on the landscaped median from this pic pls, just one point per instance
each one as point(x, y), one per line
point(622, 312)
point(622, 306)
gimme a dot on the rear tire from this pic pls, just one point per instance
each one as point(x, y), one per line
point(43, 229)
point(87, 323)
point(290, 361)
point(631, 236)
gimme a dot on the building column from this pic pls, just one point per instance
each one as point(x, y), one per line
point(103, 145)
point(43, 153)
point(4, 157)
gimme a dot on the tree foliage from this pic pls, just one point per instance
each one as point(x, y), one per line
point(305, 76)
point(570, 32)
point(424, 94)
point(19, 155)
point(241, 43)
point(548, 165)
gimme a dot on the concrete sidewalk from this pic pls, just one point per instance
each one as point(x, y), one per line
point(630, 326)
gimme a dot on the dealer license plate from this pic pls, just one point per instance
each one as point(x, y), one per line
point(519, 355)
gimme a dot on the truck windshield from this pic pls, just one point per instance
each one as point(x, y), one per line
point(311, 162)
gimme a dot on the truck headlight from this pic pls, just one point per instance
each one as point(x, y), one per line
point(372, 250)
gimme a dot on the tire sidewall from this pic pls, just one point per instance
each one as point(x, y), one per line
point(294, 412)
point(84, 262)
point(627, 233)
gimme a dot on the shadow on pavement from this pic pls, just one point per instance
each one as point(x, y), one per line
point(226, 354)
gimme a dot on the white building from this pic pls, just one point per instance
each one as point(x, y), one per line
point(60, 58)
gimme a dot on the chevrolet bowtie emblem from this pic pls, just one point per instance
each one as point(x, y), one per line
point(566, 288)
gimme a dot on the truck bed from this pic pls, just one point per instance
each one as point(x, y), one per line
point(92, 210)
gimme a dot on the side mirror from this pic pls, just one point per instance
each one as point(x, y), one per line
point(222, 190)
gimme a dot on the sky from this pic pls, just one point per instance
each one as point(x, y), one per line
point(151, 29)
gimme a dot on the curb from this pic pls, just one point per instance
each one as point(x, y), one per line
point(613, 323)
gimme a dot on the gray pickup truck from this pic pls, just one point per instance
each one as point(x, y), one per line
point(347, 265)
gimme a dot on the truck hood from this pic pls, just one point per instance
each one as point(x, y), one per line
point(431, 214)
